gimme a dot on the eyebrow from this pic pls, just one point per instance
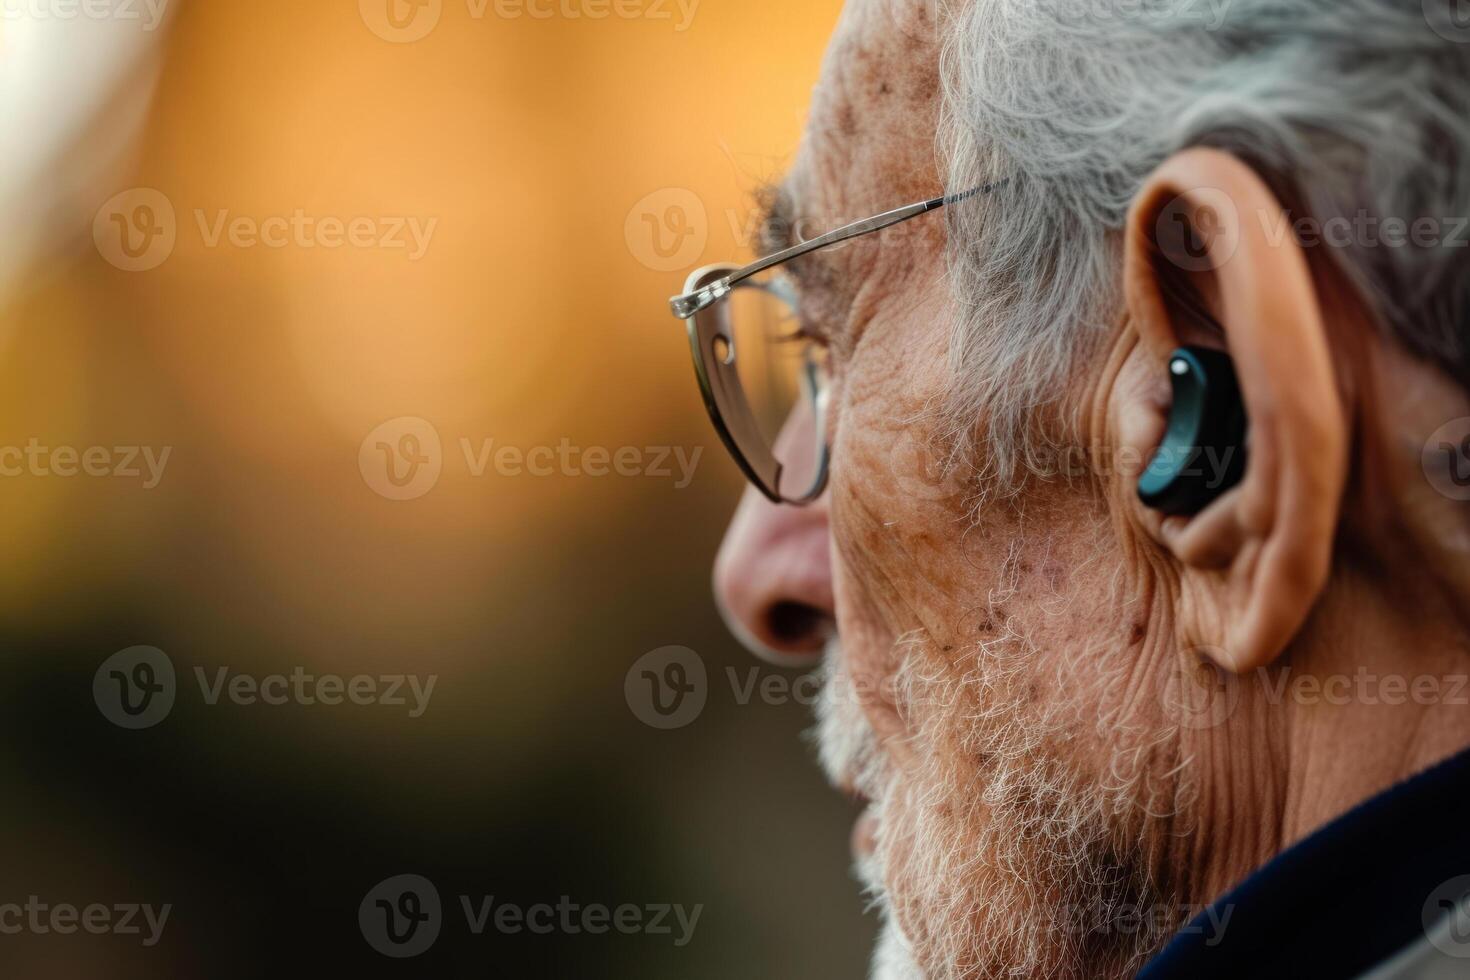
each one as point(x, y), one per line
point(779, 217)
point(781, 223)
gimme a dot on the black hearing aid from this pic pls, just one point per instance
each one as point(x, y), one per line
point(1203, 450)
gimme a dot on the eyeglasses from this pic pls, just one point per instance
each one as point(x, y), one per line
point(763, 383)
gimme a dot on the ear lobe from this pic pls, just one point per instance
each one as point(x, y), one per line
point(1252, 563)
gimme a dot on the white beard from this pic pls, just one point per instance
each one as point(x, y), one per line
point(893, 960)
point(849, 752)
point(999, 865)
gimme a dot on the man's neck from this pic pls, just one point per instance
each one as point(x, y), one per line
point(1379, 691)
point(1376, 688)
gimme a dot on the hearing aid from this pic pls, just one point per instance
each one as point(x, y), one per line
point(1203, 451)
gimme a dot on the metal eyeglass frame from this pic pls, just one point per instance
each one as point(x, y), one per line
point(719, 380)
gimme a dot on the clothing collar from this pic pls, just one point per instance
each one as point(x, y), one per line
point(1345, 899)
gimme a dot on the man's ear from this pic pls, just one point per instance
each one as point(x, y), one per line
point(1253, 563)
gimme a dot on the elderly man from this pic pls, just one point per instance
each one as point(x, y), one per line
point(1099, 730)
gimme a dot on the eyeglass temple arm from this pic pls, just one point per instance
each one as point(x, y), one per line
point(691, 303)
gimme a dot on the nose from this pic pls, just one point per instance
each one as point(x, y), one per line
point(773, 579)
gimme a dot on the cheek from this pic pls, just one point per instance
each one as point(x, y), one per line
point(1044, 578)
point(894, 518)
point(895, 511)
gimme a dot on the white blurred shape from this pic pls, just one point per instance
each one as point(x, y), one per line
point(76, 78)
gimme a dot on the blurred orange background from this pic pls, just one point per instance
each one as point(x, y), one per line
point(540, 156)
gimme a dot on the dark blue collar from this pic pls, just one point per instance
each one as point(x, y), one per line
point(1343, 900)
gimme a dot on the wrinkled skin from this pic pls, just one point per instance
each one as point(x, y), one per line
point(1060, 737)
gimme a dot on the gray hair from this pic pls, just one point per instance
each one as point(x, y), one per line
point(1346, 107)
